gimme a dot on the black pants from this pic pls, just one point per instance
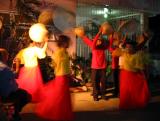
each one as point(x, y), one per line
point(19, 98)
point(98, 77)
point(115, 74)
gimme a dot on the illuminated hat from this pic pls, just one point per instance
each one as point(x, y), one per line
point(38, 32)
point(106, 28)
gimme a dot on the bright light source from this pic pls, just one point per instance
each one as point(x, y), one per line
point(106, 10)
point(105, 15)
point(100, 12)
point(38, 32)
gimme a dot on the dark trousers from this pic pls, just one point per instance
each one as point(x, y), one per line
point(115, 74)
point(98, 77)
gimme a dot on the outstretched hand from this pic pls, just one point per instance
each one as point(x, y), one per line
point(79, 31)
point(100, 30)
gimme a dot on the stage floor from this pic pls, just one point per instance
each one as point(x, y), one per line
point(86, 109)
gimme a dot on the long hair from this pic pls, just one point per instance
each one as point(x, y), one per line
point(63, 41)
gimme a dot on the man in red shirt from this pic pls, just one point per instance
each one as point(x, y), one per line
point(98, 63)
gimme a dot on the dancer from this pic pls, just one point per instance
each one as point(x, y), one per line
point(98, 46)
point(30, 77)
point(134, 92)
point(57, 103)
point(115, 37)
point(116, 50)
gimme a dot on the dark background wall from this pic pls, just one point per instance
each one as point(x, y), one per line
point(154, 26)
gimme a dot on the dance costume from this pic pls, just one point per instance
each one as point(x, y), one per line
point(57, 103)
point(134, 91)
point(30, 78)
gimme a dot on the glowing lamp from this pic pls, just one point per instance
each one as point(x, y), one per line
point(38, 32)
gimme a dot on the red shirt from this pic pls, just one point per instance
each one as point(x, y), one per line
point(98, 55)
point(115, 60)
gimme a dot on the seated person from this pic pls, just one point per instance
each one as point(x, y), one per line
point(3, 115)
point(9, 91)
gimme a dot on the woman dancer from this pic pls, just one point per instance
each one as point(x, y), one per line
point(30, 77)
point(134, 92)
point(57, 103)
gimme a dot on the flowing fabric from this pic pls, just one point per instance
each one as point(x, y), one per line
point(30, 79)
point(57, 103)
point(134, 92)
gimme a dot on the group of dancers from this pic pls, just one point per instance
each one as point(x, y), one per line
point(53, 100)
point(129, 64)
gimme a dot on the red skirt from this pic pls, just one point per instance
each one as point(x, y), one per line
point(57, 103)
point(30, 79)
point(134, 92)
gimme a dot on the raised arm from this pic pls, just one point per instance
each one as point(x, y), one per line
point(96, 38)
point(87, 41)
point(45, 46)
point(143, 39)
point(79, 31)
point(109, 47)
point(41, 53)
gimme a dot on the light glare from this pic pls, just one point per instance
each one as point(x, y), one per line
point(37, 32)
